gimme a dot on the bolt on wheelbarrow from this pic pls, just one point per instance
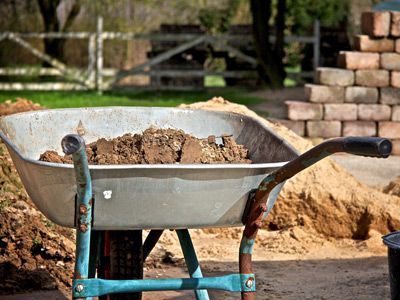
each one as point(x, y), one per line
point(181, 196)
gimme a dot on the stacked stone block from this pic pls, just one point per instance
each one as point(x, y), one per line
point(362, 96)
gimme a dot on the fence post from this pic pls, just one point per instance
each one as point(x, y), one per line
point(91, 61)
point(316, 44)
point(99, 55)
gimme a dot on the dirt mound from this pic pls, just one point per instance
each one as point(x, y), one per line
point(20, 105)
point(31, 246)
point(393, 188)
point(324, 197)
point(34, 252)
point(159, 146)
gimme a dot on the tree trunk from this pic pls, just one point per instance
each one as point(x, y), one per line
point(48, 10)
point(279, 51)
point(54, 48)
point(270, 59)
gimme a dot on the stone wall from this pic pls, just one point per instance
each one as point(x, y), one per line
point(361, 96)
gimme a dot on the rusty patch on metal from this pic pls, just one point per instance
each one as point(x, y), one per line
point(245, 263)
point(258, 224)
point(263, 208)
point(83, 209)
point(77, 275)
point(83, 227)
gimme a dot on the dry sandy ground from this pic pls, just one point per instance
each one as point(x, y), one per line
point(291, 279)
point(303, 279)
point(290, 265)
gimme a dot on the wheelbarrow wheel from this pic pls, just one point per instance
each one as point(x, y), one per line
point(126, 259)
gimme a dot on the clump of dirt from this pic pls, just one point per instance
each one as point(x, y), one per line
point(325, 197)
point(393, 188)
point(159, 146)
point(20, 105)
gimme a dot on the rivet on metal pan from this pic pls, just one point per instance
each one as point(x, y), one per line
point(79, 288)
point(250, 282)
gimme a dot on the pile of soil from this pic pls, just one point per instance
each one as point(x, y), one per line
point(324, 198)
point(159, 146)
point(34, 252)
point(20, 105)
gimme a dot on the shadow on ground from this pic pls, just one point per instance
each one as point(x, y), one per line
point(14, 280)
point(361, 278)
point(365, 278)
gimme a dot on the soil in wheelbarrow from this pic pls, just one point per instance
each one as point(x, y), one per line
point(159, 146)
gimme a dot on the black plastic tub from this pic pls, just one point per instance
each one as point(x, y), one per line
point(392, 240)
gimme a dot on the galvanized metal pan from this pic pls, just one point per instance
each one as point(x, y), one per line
point(143, 196)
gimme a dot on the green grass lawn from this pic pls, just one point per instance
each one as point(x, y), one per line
point(137, 98)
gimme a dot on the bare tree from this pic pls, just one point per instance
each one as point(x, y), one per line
point(53, 23)
point(270, 55)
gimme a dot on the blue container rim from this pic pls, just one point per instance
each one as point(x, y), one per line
point(392, 240)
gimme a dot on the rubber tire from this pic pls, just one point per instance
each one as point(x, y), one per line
point(126, 259)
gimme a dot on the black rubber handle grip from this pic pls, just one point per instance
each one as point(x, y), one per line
point(368, 146)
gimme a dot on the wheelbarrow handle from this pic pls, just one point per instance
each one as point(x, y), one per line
point(74, 145)
point(364, 146)
point(262, 204)
point(367, 146)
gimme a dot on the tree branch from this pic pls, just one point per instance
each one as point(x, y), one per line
point(73, 13)
point(48, 11)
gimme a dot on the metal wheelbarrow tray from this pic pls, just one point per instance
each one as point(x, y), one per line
point(158, 196)
point(142, 196)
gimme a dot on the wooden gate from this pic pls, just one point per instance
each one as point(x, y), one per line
point(95, 77)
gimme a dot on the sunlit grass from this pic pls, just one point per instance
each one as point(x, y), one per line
point(56, 99)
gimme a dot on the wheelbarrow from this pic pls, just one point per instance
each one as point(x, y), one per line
point(157, 197)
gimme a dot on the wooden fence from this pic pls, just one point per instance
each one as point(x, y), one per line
point(95, 77)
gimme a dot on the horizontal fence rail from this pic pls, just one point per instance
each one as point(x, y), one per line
point(174, 37)
point(96, 77)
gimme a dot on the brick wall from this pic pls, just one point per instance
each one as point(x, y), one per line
point(362, 95)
